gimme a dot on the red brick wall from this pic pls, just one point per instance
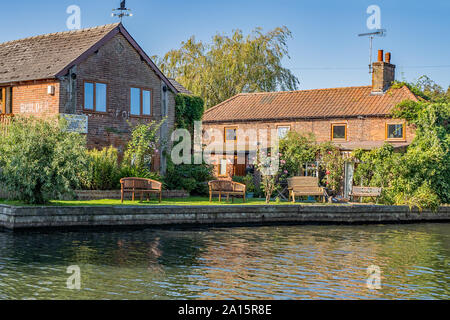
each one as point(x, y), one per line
point(119, 65)
point(358, 130)
point(33, 99)
point(370, 129)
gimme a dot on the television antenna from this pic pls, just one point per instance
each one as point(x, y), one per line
point(378, 33)
point(121, 12)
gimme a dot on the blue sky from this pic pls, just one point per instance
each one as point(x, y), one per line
point(325, 50)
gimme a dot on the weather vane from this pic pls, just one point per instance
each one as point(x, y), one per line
point(122, 11)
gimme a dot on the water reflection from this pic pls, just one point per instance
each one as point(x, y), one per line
point(289, 262)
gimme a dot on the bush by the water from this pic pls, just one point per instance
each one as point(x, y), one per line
point(105, 171)
point(40, 160)
point(192, 178)
point(420, 177)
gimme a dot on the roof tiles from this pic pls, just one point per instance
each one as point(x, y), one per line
point(307, 104)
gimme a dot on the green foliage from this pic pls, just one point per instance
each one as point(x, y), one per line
point(143, 146)
point(247, 180)
point(128, 171)
point(192, 178)
point(420, 176)
point(296, 150)
point(188, 109)
point(232, 65)
point(332, 163)
point(265, 164)
point(426, 89)
point(105, 172)
point(40, 160)
point(104, 169)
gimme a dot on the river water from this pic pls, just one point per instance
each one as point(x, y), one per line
point(276, 262)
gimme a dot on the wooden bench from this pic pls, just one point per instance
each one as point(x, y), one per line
point(140, 186)
point(226, 188)
point(369, 192)
point(305, 187)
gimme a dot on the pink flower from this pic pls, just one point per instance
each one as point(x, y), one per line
point(327, 183)
point(328, 173)
point(156, 151)
point(329, 152)
point(286, 172)
point(283, 162)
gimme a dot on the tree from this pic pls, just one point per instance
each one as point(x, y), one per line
point(143, 146)
point(421, 176)
point(40, 160)
point(231, 65)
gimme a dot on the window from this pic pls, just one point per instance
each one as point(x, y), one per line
point(230, 134)
point(95, 94)
point(395, 131)
point(283, 132)
point(339, 132)
point(223, 167)
point(140, 102)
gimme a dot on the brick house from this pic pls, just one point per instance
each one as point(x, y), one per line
point(351, 118)
point(98, 78)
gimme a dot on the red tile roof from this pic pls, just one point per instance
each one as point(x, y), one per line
point(307, 104)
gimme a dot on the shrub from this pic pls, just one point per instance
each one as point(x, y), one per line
point(143, 146)
point(192, 178)
point(40, 160)
point(104, 170)
point(247, 180)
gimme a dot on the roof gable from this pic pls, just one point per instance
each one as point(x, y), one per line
point(52, 55)
point(307, 104)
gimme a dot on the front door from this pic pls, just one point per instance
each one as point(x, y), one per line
point(239, 169)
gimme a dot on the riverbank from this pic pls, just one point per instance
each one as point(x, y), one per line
point(28, 217)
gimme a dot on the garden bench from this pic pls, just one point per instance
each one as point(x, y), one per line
point(140, 186)
point(369, 192)
point(226, 188)
point(305, 186)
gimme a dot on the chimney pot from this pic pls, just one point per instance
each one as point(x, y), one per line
point(388, 57)
point(380, 55)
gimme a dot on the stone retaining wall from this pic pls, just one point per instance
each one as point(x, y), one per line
point(15, 218)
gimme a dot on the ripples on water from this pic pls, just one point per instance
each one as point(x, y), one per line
point(285, 262)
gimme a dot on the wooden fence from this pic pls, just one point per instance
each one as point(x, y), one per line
point(5, 120)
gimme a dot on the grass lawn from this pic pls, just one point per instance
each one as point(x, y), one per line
point(191, 201)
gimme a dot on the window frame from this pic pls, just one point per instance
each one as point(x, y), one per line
point(393, 123)
point(225, 134)
point(141, 99)
point(283, 126)
point(94, 105)
point(340, 124)
point(219, 173)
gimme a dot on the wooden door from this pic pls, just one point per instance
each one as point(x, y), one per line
point(238, 169)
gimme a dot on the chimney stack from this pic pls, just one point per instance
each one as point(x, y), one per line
point(383, 73)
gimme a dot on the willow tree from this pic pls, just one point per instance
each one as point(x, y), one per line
point(228, 65)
